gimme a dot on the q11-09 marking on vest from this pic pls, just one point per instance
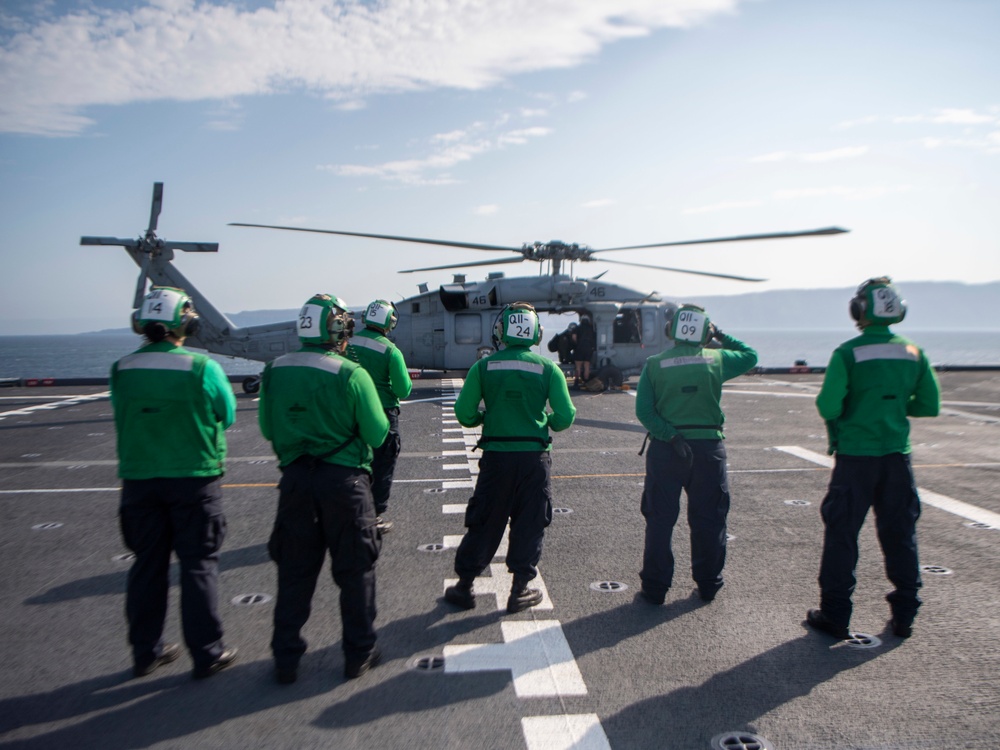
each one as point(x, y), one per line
point(590, 667)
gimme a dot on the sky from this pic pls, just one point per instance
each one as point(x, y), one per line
point(601, 122)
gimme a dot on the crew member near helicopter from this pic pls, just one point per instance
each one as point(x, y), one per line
point(873, 384)
point(171, 409)
point(383, 360)
point(678, 402)
point(514, 481)
point(322, 414)
point(563, 344)
point(584, 342)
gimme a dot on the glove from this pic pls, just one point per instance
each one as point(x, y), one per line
point(682, 449)
point(716, 332)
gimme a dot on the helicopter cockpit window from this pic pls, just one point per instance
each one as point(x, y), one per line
point(627, 328)
point(468, 328)
point(649, 326)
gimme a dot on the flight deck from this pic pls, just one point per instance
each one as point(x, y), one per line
point(590, 668)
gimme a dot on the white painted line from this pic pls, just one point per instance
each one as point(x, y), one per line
point(453, 508)
point(808, 455)
point(451, 541)
point(942, 502)
point(564, 732)
point(69, 489)
point(458, 484)
point(73, 401)
point(772, 393)
point(453, 429)
point(498, 584)
point(536, 653)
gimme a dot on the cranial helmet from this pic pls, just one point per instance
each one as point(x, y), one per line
point(324, 319)
point(380, 315)
point(169, 309)
point(688, 325)
point(517, 325)
point(877, 302)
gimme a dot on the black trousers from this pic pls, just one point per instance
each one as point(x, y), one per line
point(384, 463)
point(707, 488)
point(324, 507)
point(885, 484)
point(514, 486)
point(182, 515)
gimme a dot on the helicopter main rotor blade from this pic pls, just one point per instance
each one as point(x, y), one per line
point(465, 265)
point(193, 247)
point(109, 241)
point(443, 243)
point(679, 270)
point(154, 211)
point(741, 238)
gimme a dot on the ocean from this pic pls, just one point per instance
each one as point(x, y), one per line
point(91, 355)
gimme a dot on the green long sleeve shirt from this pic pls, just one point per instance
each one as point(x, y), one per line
point(515, 384)
point(172, 407)
point(680, 389)
point(383, 360)
point(873, 383)
point(314, 401)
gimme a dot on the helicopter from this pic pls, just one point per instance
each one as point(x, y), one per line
point(449, 328)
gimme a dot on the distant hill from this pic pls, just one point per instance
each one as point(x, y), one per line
point(930, 305)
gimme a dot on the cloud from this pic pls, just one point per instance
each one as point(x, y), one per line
point(869, 192)
point(487, 210)
point(54, 66)
point(945, 116)
point(443, 151)
point(724, 206)
point(848, 152)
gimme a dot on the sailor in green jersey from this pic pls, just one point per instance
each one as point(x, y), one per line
point(873, 384)
point(384, 362)
point(322, 415)
point(678, 402)
point(172, 407)
point(514, 481)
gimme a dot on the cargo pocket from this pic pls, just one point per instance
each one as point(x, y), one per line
point(476, 512)
point(285, 485)
point(358, 547)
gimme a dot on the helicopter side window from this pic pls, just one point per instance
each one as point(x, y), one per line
point(415, 307)
point(626, 327)
point(649, 325)
point(468, 328)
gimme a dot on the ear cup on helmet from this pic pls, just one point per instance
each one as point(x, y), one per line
point(877, 302)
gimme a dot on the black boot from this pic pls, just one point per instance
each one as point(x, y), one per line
point(461, 594)
point(521, 597)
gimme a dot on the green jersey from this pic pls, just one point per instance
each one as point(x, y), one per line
point(873, 383)
point(172, 407)
point(680, 390)
point(515, 385)
point(384, 362)
point(314, 402)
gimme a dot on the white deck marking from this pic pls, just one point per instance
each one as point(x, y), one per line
point(453, 508)
point(459, 484)
point(65, 401)
point(536, 653)
point(942, 502)
point(451, 541)
point(499, 583)
point(564, 732)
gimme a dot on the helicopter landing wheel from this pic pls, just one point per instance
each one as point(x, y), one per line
point(251, 384)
